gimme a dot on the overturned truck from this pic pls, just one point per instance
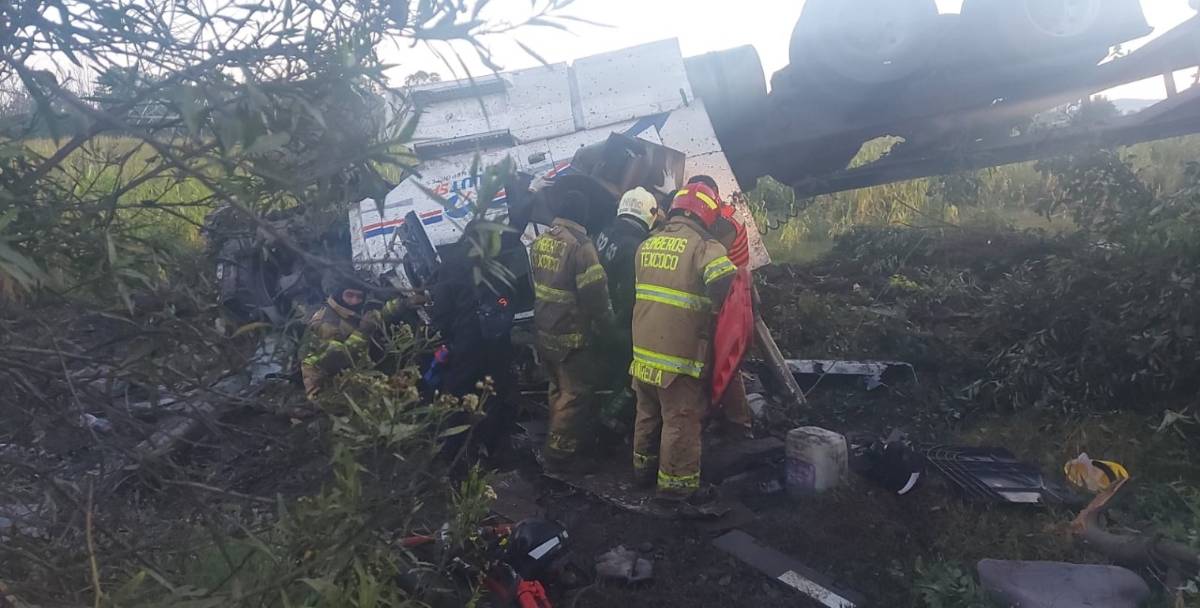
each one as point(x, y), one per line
point(958, 88)
point(620, 120)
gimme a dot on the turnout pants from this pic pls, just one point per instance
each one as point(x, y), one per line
point(573, 414)
point(666, 436)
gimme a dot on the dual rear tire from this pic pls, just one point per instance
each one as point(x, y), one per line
point(853, 45)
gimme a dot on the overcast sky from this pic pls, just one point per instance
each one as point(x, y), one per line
point(701, 26)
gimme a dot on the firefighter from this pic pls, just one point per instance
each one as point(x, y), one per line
point(475, 320)
point(733, 420)
point(683, 277)
point(341, 334)
point(571, 312)
point(637, 214)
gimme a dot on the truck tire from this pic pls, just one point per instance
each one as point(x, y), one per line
point(733, 88)
point(863, 43)
point(731, 83)
point(1066, 33)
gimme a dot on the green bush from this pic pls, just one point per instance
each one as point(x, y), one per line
point(947, 585)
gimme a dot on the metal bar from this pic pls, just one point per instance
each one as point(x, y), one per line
point(478, 88)
point(938, 105)
point(785, 569)
point(1014, 150)
point(1169, 81)
point(444, 147)
point(776, 363)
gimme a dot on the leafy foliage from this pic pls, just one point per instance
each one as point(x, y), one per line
point(112, 364)
point(947, 585)
point(1103, 317)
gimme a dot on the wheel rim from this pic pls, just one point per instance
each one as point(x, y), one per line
point(880, 34)
point(1062, 18)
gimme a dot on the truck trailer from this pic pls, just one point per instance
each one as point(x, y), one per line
point(539, 119)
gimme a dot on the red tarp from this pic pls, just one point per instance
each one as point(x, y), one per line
point(735, 325)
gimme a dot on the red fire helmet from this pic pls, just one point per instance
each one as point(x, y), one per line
point(700, 201)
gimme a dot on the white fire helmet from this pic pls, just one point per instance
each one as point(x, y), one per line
point(638, 203)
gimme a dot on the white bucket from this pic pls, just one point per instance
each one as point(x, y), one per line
point(816, 461)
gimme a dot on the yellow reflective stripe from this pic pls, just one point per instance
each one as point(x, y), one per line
point(560, 341)
point(328, 346)
point(667, 481)
point(646, 374)
point(670, 363)
point(593, 274)
point(562, 443)
point(720, 267)
point(550, 294)
point(700, 195)
point(645, 461)
point(672, 297)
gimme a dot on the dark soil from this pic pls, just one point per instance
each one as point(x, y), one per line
point(861, 536)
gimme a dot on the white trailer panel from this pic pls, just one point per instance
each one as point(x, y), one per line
point(628, 83)
point(531, 104)
point(640, 92)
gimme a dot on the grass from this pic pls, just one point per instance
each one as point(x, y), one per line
point(1008, 195)
point(163, 207)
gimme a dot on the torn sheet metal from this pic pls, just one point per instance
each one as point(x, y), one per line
point(785, 570)
point(1056, 584)
point(874, 373)
point(995, 475)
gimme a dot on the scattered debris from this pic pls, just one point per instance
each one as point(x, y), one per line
point(785, 570)
point(100, 425)
point(624, 565)
point(734, 515)
point(1093, 475)
point(532, 435)
point(816, 461)
point(874, 373)
point(175, 429)
point(24, 519)
point(516, 498)
point(893, 463)
point(757, 404)
point(730, 458)
point(1056, 584)
point(267, 360)
point(534, 546)
point(762, 481)
point(995, 475)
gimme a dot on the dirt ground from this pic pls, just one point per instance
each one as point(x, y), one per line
point(862, 537)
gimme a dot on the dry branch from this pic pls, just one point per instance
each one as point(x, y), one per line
point(1173, 561)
